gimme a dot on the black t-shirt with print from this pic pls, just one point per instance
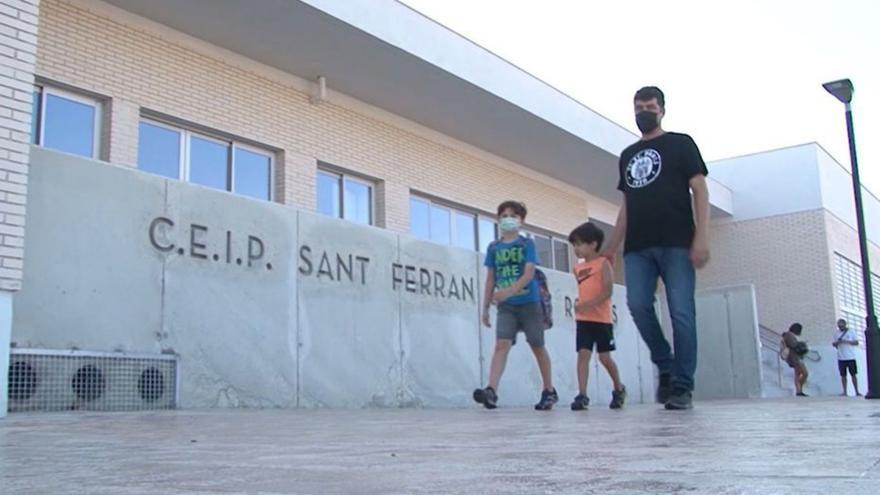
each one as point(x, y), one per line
point(655, 179)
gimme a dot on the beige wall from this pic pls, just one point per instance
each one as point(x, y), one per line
point(786, 258)
point(137, 64)
point(18, 45)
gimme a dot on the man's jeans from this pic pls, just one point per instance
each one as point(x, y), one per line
point(674, 266)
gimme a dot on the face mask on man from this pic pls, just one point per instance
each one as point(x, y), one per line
point(647, 121)
point(509, 224)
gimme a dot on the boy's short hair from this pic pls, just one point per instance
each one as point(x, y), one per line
point(588, 232)
point(518, 207)
point(648, 93)
point(796, 328)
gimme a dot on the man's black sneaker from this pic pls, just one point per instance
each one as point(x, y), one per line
point(580, 402)
point(801, 394)
point(487, 397)
point(680, 400)
point(548, 398)
point(618, 397)
point(664, 388)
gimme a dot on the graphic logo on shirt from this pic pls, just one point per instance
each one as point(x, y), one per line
point(584, 274)
point(643, 168)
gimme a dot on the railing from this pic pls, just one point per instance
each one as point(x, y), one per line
point(772, 340)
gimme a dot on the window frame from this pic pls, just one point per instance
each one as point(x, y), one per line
point(44, 90)
point(344, 177)
point(231, 144)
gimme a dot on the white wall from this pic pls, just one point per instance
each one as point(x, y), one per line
point(729, 355)
point(771, 183)
point(837, 196)
point(5, 333)
point(346, 316)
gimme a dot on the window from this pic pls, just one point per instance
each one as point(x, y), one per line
point(342, 196)
point(223, 164)
point(851, 292)
point(553, 252)
point(561, 256)
point(488, 232)
point(65, 121)
point(448, 225)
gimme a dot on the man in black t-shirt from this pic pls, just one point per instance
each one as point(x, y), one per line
point(664, 239)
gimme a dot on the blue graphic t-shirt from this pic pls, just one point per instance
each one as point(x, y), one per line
point(509, 259)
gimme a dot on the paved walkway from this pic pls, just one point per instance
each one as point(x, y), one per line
point(811, 446)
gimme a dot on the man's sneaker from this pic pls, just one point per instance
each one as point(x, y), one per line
point(680, 400)
point(548, 398)
point(580, 402)
point(664, 388)
point(487, 397)
point(618, 397)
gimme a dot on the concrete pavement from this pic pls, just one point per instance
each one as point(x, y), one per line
point(821, 446)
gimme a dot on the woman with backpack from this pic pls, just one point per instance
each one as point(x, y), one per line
point(793, 351)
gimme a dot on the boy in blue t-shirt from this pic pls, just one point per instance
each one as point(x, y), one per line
point(510, 283)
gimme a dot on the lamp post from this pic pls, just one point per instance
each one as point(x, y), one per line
point(843, 91)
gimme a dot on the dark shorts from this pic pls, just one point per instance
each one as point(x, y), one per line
point(850, 365)
point(594, 334)
point(527, 318)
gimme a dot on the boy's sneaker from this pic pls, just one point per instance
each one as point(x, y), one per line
point(618, 397)
point(548, 398)
point(487, 397)
point(680, 400)
point(580, 402)
point(664, 388)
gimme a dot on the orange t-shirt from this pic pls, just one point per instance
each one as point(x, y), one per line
point(589, 279)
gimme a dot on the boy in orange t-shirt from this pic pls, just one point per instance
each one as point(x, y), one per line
point(593, 313)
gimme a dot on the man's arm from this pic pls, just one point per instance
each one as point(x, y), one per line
point(700, 245)
point(618, 235)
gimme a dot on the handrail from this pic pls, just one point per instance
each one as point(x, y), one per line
point(772, 339)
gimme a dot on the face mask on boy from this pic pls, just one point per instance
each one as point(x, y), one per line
point(509, 224)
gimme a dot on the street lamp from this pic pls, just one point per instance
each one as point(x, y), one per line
point(843, 91)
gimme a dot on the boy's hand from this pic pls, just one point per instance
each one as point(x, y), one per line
point(502, 295)
point(485, 318)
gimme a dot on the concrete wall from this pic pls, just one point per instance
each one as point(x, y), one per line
point(729, 364)
point(267, 306)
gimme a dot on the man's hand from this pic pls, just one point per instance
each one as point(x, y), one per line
point(609, 254)
point(485, 318)
point(835, 343)
point(700, 252)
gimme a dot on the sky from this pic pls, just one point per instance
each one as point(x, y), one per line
point(740, 77)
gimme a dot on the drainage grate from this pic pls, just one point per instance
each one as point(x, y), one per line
point(49, 380)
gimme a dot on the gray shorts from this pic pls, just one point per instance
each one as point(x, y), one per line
point(528, 318)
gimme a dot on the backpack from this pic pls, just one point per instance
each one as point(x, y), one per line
point(543, 289)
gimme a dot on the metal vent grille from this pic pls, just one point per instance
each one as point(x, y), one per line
point(50, 380)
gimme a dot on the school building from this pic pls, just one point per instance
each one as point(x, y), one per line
point(283, 204)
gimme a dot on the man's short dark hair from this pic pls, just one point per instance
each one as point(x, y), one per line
point(648, 93)
point(517, 207)
point(587, 233)
point(796, 328)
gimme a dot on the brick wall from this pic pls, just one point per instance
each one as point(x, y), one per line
point(18, 47)
point(786, 258)
point(138, 65)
